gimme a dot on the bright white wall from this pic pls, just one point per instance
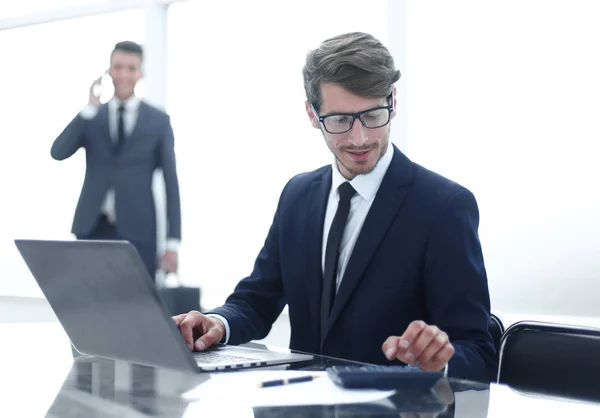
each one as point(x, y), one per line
point(15, 9)
point(229, 97)
point(503, 98)
point(44, 82)
point(236, 99)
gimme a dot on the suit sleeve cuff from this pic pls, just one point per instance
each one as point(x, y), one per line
point(89, 112)
point(173, 245)
point(224, 322)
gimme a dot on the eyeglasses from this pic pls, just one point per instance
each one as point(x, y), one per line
point(339, 123)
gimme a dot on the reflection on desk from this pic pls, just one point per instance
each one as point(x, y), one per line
point(45, 380)
point(242, 387)
point(105, 388)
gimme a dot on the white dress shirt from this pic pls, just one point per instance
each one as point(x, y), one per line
point(130, 116)
point(366, 186)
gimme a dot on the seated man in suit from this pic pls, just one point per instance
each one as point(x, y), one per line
point(378, 258)
point(125, 141)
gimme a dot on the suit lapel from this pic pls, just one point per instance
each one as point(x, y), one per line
point(315, 218)
point(104, 127)
point(388, 200)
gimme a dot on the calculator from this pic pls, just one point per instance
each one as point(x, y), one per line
point(383, 377)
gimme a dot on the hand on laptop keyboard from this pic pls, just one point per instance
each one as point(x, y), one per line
point(200, 331)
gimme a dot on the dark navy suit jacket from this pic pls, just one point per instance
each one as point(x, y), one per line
point(418, 257)
point(129, 173)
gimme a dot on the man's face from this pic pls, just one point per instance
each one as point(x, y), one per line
point(125, 71)
point(359, 150)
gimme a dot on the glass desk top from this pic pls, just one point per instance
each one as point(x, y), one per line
point(41, 377)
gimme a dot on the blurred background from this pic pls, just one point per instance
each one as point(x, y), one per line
point(501, 97)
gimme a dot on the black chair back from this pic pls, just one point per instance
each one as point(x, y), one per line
point(496, 329)
point(551, 359)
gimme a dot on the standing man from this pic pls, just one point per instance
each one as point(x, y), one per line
point(125, 140)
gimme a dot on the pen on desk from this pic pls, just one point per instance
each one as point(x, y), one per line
point(281, 382)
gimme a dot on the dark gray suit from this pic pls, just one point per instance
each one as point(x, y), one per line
point(128, 172)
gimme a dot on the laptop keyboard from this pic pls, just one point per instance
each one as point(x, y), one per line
point(216, 357)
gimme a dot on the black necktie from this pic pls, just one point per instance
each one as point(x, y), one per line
point(120, 129)
point(332, 252)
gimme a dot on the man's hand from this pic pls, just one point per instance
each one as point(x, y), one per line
point(94, 98)
point(200, 331)
point(169, 262)
point(421, 345)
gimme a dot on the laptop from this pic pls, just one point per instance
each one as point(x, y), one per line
point(109, 307)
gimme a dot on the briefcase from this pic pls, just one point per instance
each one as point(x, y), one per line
point(179, 298)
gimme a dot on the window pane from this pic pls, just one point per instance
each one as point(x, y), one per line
point(236, 97)
point(44, 85)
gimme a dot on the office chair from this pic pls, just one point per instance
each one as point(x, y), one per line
point(551, 359)
point(496, 329)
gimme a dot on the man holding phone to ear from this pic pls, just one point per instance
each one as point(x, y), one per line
point(125, 140)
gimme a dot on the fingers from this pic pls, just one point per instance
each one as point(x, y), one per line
point(407, 341)
point(96, 82)
point(426, 337)
point(213, 336)
point(211, 330)
point(439, 360)
point(94, 98)
point(179, 318)
point(438, 342)
point(421, 345)
point(390, 347)
point(187, 324)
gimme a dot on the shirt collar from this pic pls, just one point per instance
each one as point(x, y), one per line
point(366, 185)
point(131, 104)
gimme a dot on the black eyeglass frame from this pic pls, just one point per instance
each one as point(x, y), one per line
point(390, 109)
